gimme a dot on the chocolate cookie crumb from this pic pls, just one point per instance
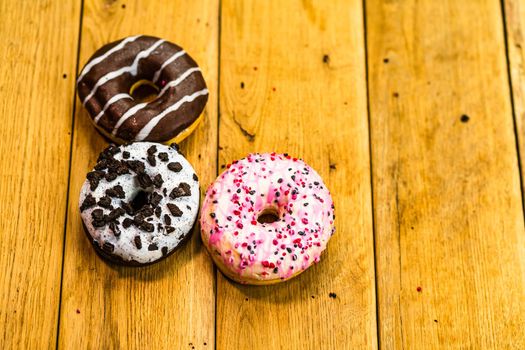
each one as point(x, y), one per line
point(182, 190)
point(88, 202)
point(119, 191)
point(167, 219)
point(144, 180)
point(147, 211)
point(127, 222)
point(153, 246)
point(136, 165)
point(103, 164)
point(169, 229)
point(111, 176)
point(152, 160)
point(163, 156)
point(138, 219)
point(164, 251)
point(158, 181)
point(108, 247)
point(111, 192)
point(195, 177)
point(152, 150)
point(138, 242)
point(116, 192)
point(98, 223)
point(332, 295)
point(114, 227)
point(97, 214)
point(105, 202)
point(175, 211)
point(155, 199)
point(175, 166)
point(128, 208)
point(108, 153)
point(116, 213)
point(94, 178)
point(146, 226)
point(125, 155)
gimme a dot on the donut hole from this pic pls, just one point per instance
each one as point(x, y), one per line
point(144, 91)
point(140, 200)
point(268, 215)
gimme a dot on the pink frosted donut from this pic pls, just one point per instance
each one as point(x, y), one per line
point(238, 209)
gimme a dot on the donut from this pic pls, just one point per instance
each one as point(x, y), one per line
point(107, 82)
point(139, 203)
point(266, 219)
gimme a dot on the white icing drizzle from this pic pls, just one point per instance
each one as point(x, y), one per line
point(128, 69)
point(129, 113)
point(146, 130)
point(99, 59)
point(112, 100)
point(168, 61)
point(179, 80)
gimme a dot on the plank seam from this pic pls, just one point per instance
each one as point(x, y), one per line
point(511, 93)
point(216, 271)
point(365, 34)
point(69, 170)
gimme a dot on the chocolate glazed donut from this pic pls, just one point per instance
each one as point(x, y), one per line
point(112, 73)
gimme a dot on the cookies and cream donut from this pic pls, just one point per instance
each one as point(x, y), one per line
point(245, 245)
point(110, 76)
point(139, 203)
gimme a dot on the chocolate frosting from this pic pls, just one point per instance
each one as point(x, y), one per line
point(107, 77)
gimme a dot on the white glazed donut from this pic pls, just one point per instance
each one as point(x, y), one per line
point(250, 250)
point(139, 203)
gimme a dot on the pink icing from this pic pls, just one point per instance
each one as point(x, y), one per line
point(266, 251)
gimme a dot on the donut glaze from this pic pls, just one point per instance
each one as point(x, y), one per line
point(251, 252)
point(106, 80)
point(125, 231)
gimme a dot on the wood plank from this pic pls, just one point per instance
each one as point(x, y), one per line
point(38, 55)
point(279, 92)
point(515, 22)
point(170, 304)
point(449, 228)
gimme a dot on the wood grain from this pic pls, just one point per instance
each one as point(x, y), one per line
point(515, 25)
point(38, 41)
point(170, 304)
point(293, 80)
point(449, 228)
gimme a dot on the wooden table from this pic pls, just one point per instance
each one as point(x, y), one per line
point(412, 111)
